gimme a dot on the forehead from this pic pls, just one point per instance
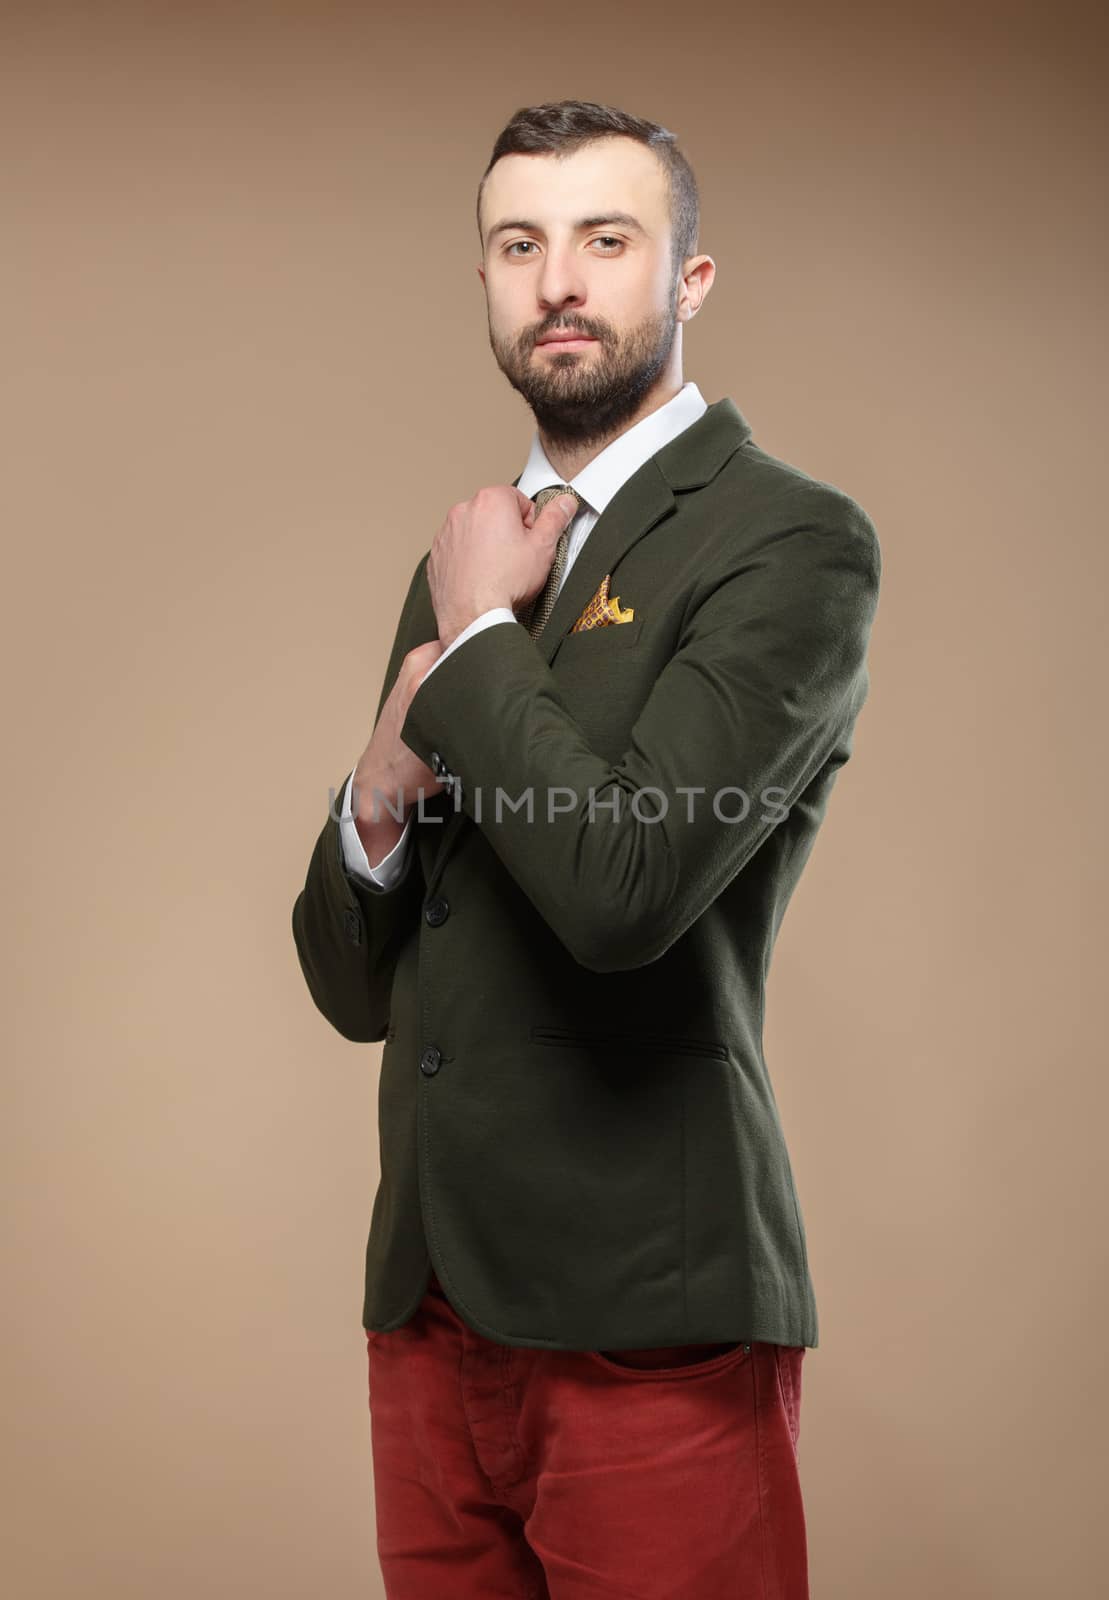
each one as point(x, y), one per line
point(606, 175)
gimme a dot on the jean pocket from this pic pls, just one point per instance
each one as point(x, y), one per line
point(788, 1359)
point(672, 1361)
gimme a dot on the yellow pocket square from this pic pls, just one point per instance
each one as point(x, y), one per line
point(603, 610)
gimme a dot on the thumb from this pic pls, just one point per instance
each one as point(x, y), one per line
point(556, 515)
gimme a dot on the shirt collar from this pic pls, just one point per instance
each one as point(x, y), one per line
point(611, 469)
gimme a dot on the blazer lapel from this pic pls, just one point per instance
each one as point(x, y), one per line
point(639, 505)
point(688, 461)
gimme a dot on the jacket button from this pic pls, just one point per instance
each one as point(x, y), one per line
point(437, 911)
point(429, 1061)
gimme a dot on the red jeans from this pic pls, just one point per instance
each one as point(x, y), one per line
point(509, 1473)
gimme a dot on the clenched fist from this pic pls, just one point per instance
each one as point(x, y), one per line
point(492, 550)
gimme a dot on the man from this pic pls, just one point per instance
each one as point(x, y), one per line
point(606, 739)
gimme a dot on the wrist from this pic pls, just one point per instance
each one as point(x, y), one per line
point(457, 623)
point(376, 795)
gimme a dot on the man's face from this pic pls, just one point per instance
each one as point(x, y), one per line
point(568, 262)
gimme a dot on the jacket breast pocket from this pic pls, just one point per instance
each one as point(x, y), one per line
point(599, 642)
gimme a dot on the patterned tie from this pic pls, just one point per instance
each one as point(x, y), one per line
point(535, 620)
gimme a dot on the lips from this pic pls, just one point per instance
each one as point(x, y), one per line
point(564, 337)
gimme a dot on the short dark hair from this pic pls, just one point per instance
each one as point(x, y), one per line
point(564, 126)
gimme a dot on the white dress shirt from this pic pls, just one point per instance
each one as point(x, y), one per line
point(595, 485)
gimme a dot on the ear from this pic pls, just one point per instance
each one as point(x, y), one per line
point(697, 280)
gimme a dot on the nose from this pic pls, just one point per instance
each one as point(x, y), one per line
point(560, 283)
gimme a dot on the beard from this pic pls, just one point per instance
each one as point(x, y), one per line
point(585, 397)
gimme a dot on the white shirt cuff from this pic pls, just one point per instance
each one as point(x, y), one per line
point(391, 868)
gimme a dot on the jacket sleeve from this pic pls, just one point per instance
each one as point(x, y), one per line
point(767, 677)
point(347, 934)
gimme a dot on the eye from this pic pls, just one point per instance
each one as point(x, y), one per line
point(607, 239)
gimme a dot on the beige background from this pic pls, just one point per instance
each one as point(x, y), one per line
point(245, 373)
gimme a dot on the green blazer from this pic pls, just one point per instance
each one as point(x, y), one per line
point(576, 1121)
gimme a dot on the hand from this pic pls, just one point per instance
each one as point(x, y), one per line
point(492, 550)
point(388, 767)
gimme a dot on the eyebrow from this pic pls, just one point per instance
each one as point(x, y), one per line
point(620, 219)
